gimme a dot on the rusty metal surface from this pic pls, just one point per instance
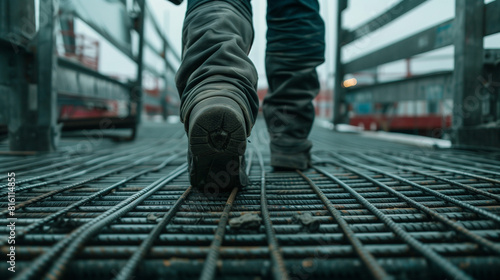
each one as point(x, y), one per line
point(367, 209)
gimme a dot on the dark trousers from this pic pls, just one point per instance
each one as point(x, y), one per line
point(216, 42)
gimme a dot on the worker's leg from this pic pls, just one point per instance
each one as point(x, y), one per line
point(217, 83)
point(295, 47)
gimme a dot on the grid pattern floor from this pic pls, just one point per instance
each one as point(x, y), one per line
point(98, 209)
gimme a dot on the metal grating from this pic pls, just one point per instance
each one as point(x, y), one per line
point(368, 209)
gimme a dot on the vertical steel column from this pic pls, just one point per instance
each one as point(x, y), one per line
point(338, 90)
point(164, 92)
point(469, 35)
point(140, 57)
point(19, 114)
point(32, 126)
point(46, 76)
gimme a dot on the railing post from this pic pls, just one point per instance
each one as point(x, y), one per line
point(163, 94)
point(140, 60)
point(469, 35)
point(32, 123)
point(338, 90)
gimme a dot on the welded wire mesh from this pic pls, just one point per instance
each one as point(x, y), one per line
point(367, 209)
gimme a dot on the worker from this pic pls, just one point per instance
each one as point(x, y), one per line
point(217, 83)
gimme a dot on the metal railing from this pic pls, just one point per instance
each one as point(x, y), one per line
point(47, 86)
point(475, 115)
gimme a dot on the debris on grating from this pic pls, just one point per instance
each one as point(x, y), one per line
point(153, 217)
point(308, 222)
point(246, 221)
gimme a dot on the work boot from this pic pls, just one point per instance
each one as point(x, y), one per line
point(217, 83)
point(289, 112)
point(295, 156)
point(295, 47)
point(217, 143)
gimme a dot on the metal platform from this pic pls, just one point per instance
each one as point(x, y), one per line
point(99, 209)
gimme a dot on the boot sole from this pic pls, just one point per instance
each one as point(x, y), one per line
point(217, 144)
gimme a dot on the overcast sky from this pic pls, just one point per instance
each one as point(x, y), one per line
point(359, 11)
